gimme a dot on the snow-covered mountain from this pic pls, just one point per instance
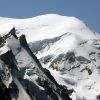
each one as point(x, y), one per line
point(66, 47)
point(21, 75)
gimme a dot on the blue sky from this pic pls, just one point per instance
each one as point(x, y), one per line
point(86, 10)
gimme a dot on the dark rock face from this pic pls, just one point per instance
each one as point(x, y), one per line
point(34, 91)
point(98, 97)
point(51, 89)
point(4, 92)
point(70, 56)
point(12, 32)
point(83, 60)
point(13, 90)
point(46, 59)
point(48, 89)
point(5, 57)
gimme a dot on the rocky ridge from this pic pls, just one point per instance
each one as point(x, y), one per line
point(23, 75)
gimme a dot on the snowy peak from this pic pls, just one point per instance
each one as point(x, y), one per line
point(65, 45)
point(48, 26)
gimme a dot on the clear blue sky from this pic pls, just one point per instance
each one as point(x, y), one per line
point(86, 10)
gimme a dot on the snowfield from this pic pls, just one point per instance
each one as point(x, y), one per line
point(66, 46)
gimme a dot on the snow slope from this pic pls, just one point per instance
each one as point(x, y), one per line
point(67, 47)
point(47, 26)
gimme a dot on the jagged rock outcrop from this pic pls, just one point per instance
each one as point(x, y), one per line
point(4, 92)
point(28, 80)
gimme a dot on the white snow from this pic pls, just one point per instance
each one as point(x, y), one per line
point(48, 26)
point(75, 36)
point(4, 49)
point(13, 44)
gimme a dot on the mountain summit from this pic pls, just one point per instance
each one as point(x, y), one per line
point(48, 26)
point(65, 46)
